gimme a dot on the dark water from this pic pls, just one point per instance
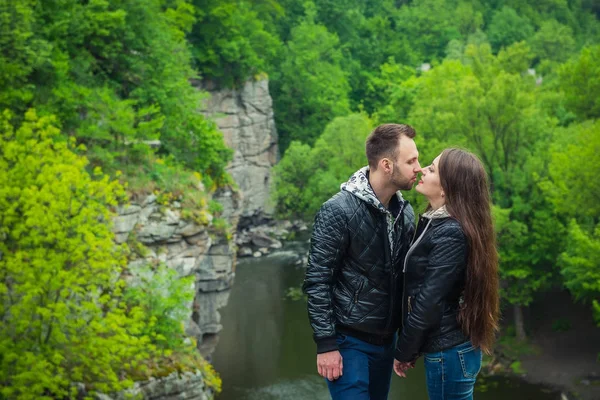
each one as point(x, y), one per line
point(266, 352)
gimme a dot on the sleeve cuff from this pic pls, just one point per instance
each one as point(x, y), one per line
point(326, 344)
point(402, 357)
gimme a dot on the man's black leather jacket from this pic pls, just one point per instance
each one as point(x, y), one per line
point(354, 278)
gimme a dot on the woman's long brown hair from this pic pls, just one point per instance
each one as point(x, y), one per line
point(467, 193)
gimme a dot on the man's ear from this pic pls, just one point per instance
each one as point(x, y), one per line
point(386, 165)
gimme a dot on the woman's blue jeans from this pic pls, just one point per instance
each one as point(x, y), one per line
point(451, 373)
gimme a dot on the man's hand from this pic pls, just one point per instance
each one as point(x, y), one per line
point(330, 365)
point(400, 368)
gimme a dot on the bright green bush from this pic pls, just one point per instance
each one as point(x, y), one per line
point(165, 300)
point(62, 318)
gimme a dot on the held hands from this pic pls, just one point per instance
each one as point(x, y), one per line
point(330, 365)
point(400, 368)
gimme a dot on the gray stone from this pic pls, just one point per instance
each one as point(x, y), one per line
point(184, 266)
point(221, 250)
point(125, 223)
point(121, 237)
point(175, 249)
point(174, 239)
point(260, 239)
point(155, 232)
point(147, 211)
point(128, 209)
point(190, 230)
point(245, 252)
point(180, 386)
point(245, 117)
point(264, 250)
point(201, 239)
point(206, 314)
point(213, 267)
point(173, 217)
point(151, 199)
point(212, 286)
point(197, 251)
point(192, 329)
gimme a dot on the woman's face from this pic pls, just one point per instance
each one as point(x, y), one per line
point(430, 185)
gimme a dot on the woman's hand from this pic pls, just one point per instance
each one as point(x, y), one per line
point(400, 368)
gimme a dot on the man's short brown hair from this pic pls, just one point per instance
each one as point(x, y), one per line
point(383, 142)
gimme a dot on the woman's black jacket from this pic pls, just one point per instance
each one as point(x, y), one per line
point(434, 279)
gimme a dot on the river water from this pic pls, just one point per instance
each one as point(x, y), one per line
point(265, 350)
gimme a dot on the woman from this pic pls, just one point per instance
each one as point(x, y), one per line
point(450, 299)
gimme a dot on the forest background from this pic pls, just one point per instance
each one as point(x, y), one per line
point(87, 87)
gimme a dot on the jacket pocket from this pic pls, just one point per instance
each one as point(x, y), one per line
point(470, 361)
point(357, 292)
point(340, 339)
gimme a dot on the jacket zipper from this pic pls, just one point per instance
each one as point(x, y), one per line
point(415, 243)
point(392, 274)
point(405, 260)
point(362, 283)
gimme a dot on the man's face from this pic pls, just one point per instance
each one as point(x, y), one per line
point(406, 166)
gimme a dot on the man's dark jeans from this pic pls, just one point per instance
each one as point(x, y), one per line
point(367, 370)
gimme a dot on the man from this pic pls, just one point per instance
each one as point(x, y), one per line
point(354, 275)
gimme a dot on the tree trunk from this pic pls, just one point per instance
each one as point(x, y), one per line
point(519, 326)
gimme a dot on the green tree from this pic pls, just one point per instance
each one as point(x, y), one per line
point(21, 53)
point(429, 25)
point(488, 106)
point(116, 74)
point(230, 40)
point(579, 263)
point(575, 192)
point(573, 170)
point(553, 42)
point(311, 88)
point(579, 79)
point(508, 27)
point(391, 92)
point(60, 287)
point(291, 176)
point(306, 177)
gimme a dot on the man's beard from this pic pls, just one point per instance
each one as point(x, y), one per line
point(401, 182)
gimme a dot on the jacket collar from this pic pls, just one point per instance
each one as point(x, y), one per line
point(438, 213)
point(359, 186)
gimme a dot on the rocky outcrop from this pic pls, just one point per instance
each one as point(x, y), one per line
point(189, 249)
point(245, 116)
point(257, 241)
point(181, 386)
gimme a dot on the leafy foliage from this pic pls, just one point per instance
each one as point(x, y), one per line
point(230, 41)
point(311, 88)
point(580, 80)
point(60, 271)
point(165, 299)
point(117, 76)
point(508, 27)
point(306, 177)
